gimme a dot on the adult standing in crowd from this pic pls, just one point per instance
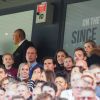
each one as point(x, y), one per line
point(19, 38)
point(31, 56)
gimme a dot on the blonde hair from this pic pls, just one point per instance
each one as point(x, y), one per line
point(91, 76)
point(20, 67)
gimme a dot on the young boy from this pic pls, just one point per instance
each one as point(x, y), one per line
point(8, 62)
point(79, 54)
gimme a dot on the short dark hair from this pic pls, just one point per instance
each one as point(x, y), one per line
point(50, 84)
point(47, 57)
point(21, 33)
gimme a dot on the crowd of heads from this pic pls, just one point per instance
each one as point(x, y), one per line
point(61, 77)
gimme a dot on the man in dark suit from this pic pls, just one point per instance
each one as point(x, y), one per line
point(22, 43)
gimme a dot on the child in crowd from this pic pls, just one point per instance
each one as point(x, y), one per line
point(8, 62)
point(68, 63)
point(79, 54)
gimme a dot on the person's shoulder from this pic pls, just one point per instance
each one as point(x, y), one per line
point(27, 44)
point(97, 98)
point(66, 93)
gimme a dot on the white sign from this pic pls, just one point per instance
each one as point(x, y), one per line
point(41, 12)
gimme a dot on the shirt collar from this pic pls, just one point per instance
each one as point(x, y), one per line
point(21, 42)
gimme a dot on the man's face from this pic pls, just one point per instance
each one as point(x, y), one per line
point(96, 72)
point(74, 78)
point(48, 64)
point(78, 55)
point(31, 55)
point(87, 95)
point(78, 87)
point(7, 60)
point(2, 74)
point(89, 81)
point(49, 90)
point(16, 38)
point(22, 90)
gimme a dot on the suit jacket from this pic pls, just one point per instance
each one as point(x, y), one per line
point(20, 53)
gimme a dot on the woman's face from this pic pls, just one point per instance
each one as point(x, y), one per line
point(24, 72)
point(36, 74)
point(88, 48)
point(43, 76)
point(60, 57)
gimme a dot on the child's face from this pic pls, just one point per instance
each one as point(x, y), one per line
point(7, 60)
point(78, 55)
point(88, 48)
point(68, 63)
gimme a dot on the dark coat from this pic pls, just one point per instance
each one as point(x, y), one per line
point(20, 53)
point(94, 57)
